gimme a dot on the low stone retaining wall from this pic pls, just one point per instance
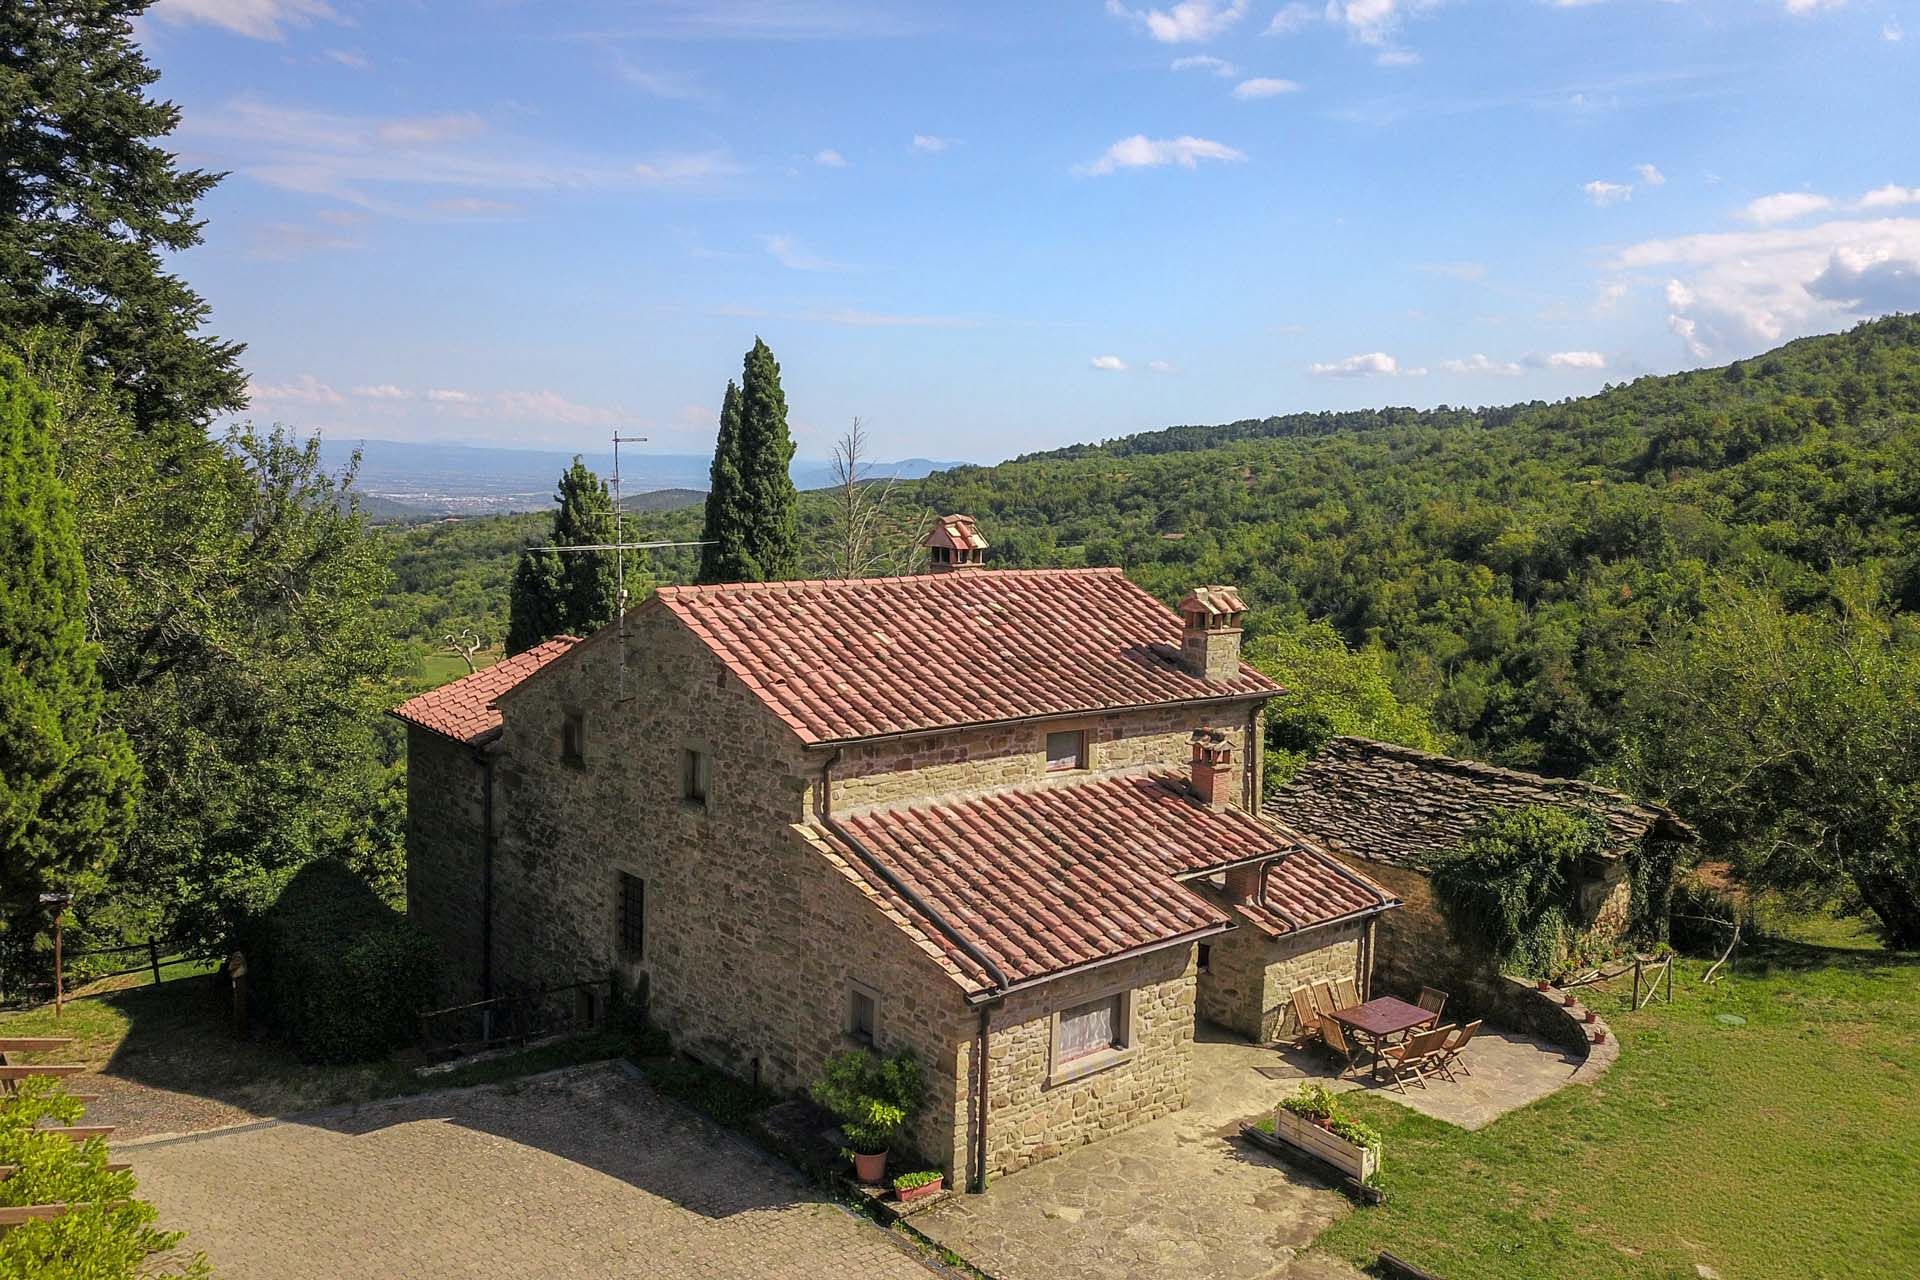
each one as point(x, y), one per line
point(1555, 1016)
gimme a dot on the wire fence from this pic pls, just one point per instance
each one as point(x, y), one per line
point(529, 1013)
point(28, 986)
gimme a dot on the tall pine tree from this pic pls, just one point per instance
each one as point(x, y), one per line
point(67, 779)
point(90, 201)
point(558, 593)
point(752, 526)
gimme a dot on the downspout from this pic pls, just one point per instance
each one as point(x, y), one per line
point(1250, 785)
point(486, 876)
point(824, 810)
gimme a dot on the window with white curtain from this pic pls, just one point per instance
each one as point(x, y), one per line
point(1092, 1028)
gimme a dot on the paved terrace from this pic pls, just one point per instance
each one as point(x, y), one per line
point(1183, 1199)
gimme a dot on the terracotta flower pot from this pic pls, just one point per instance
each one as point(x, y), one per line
point(1570, 999)
point(1544, 984)
point(1599, 1035)
point(915, 1193)
point(1592, 1016)
point(870, 1168)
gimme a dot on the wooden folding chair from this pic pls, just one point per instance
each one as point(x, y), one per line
point(1413, 1057)
point(1450, 1052)
point(1346, 992)
point(1334, 1036)
point(1306, 1018)
point(1324, 998)
point(1433, 1002)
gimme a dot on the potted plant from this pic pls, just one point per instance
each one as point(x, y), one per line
point(909, 1187)
point(872, 1097)
point(1314, 1121)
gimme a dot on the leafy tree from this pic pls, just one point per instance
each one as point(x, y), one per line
point(751, 517)
point(1332, 691)
point(1793, 741)
point(67, 774)
point(1508, 890)
point(90, 200)
point(112, 1237)
point(556, 593)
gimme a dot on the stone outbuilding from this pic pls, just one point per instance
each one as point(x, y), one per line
point(1009, 820)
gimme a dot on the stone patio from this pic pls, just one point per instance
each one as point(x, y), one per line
point(1183, 1199)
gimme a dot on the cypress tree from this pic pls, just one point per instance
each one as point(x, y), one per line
point(751, 510)
point(555, 593)
point(67, 778)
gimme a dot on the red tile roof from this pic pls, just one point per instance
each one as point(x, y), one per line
point(957, 533)
point(873, 656)
point(1047, 879)
point(464, 710)
point(1308, 887)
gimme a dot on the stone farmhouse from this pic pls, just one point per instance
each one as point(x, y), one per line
point(1010, 820)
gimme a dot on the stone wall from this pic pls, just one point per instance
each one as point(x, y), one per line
point(1030, 1119)
point(1248, 988)
point(445, 853)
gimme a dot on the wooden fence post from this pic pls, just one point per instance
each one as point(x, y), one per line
point(153, 958)
point(59, 984)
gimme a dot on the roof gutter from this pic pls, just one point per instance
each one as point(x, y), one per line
point(1145, 948)
point(1079, 713)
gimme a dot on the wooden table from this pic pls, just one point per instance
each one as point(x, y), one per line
point(1380, 1020)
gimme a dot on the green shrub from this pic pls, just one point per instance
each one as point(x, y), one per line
point(1509, 888)
point(872, 1096)
point(1318, 1103)
point(1314, 1101)
point(113, 1239)
point(341, 975)
point(726, 1099)
point(924, 1177)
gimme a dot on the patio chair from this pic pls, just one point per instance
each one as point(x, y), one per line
point(1324, 998)
point(1346, 992)
point(1306, 1018)
point(1413, 1057)
point(1334, 1036)
point(1432, 1001)
point(1450, 1052)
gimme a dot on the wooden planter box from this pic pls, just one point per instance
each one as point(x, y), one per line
point(1358, 1163)
point(921, 1192)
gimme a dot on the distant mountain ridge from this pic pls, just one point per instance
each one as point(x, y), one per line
point(401, 479)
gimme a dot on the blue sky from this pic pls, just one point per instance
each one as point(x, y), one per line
point(991, 227)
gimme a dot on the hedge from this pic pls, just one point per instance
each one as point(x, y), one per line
point(338, 973)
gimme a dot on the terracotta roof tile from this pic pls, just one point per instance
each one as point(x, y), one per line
point(1308, 887)
point(861, 658)
point(1046, 879)
point(464, 709)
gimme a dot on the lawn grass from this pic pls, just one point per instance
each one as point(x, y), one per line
point(1787, 1145)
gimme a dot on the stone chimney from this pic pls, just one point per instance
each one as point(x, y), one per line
point(954, 543)
point(1213, 772)
point(1210, 633)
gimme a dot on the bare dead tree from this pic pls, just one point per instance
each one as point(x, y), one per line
point(869, 535)
point(466, 642)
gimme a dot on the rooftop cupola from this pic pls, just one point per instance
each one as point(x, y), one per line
point(954, 543)
point(1210, 632)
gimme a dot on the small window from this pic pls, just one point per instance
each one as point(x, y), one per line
point(693, 776)
point(863, 1015)
point(1092, 1028)
point(633, 916)
point(1206, 957)
point(573, 738)
point(1066, 750)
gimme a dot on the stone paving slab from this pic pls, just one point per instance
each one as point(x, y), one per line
point(580, 1173)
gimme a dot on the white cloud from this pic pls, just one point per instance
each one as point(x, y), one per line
point(828, 158)
point(1142, 152)
point(1812, 6)
point(1292, 17)
point(1373, 364)
point(927, 142)
point(305, 389)
point(1163, 366)
point(425, 131)
point(383, 391)
point(1604, 193)
point(1191, 21)
point(284, 240)
point(1568, 360)
point(1893, 32)
point(1481, 364)
point(1208, 63)
point(351, 58)
point(451, 395)
point(1397, 58)
point(794, 256)
point(1109, 364)
point(256, 19)
point(1734, 291)
point(686, 168)
point(1889, 196)
point(1374, 21)
point(477, 207)
point(1650, 176)
point(1264, 87)
point(551, 406)
point(1787, 206)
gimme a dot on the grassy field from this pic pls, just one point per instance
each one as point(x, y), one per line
point(1766, 1126)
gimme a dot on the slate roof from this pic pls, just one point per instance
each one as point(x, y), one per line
point(463, 710)
point(1393, 804)
point(839, 660)
point(1043, 880)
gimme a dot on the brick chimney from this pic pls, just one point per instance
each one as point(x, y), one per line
point(1210, 633)
point(1213, 772)
point(954, 543)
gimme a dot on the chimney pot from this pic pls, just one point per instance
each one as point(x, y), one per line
point(1210, 632)
point(954, 543)
point(1212, 768)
